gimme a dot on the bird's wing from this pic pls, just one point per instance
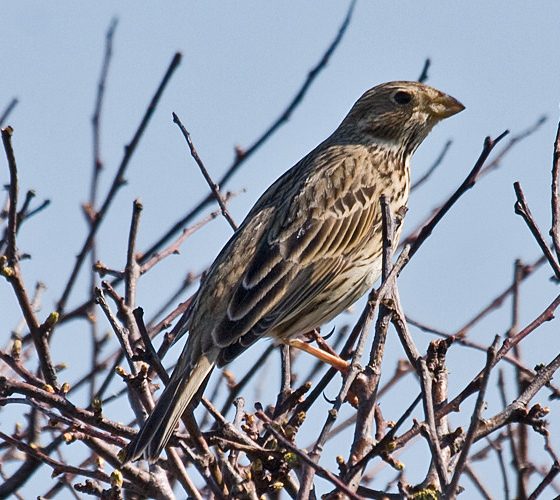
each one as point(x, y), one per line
point(314, 236)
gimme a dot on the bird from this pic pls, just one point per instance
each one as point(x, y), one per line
point(308, 249)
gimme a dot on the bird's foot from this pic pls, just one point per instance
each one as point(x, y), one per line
point(330, 358)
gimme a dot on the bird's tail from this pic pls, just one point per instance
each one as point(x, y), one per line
point(179, 392)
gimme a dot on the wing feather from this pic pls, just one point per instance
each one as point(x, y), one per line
point(291, 269)
point(281, 272)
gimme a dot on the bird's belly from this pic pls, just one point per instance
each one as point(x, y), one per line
point(350, 286)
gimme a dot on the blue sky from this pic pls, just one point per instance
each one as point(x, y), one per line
point(242, 63)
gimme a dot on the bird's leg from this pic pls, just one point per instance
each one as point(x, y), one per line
point(331, 359)
point(315, 335)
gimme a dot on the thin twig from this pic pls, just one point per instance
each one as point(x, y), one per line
point(497, 301)
point(243, 155)
point(544, 375)
point(517, 463)
point(11, 251)
point(74, 425)
point(451, 491)
point(120, 331)
point(403, 368)
point(522, 209)
point(235, 391)
point(468, 183)
point(438, 161)
point(132, 269)
point(547, 480)
point(58, 467)
point(399, 322)
point(489, 167)
point(469, 471)
point(517, 410)
point(497, 447)
point(433, 438)
point(213, 186)
point(424, 74)
point(96, 117)
point(382, 445)
point(182, 475)
point(510, 342)
point(44, 204)
point(146, 259)
point(65, 406)
point(555, 194)
point(22, 213)
point(176, 245)
point(508, 358)
point(118, 181)
point(7, 110)
point(513, 141)
point(367, 381)
point(519, 450)
point(286, 377)
point(89, 210)
point(9, 268)
point(325, 474)
point(12, 485)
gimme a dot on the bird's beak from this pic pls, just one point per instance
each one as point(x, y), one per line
point(444, 106)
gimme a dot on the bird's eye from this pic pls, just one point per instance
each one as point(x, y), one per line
point(402, 97)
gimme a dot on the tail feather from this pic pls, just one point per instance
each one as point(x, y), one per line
point(158, 428)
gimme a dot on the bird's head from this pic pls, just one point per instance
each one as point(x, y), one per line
point(399, 114)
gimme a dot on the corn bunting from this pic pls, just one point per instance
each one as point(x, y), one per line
point(309, 248)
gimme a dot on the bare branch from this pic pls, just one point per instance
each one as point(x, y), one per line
point(118, 181)
point(468, 183)
point(213, 186)
point(431, 429)
point(424, 73)
point(96, 118)
point(58, 467)
point(547, 480)
point(8, 110)
point(243, 155)
point(522, 209)
point(305, 458)
point(451, 490)
point(11, 251)
point(438, 161)
point(555, 194)
point(474, 385)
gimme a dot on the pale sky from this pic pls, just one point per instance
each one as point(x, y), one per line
point(242, 63)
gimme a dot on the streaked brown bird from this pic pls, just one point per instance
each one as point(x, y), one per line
point(309, 248)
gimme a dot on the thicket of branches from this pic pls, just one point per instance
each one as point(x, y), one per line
point(236, 451)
